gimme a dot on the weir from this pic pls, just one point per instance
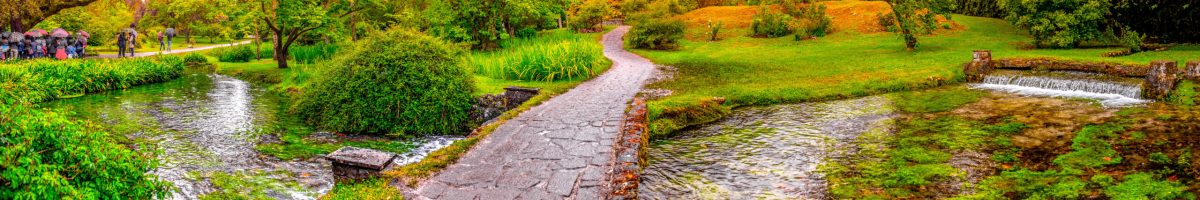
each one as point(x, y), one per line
point(1110, 83)
point(1110, 94)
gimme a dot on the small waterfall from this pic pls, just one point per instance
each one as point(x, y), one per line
point(1110, 94)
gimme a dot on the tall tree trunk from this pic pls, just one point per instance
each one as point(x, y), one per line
point(280, 51)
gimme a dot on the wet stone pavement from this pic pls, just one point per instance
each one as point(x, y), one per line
point(560, 149)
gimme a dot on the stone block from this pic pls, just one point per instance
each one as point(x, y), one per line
point(1160, 79)
point(980, 66)
point(352, 163)
point(1192, 70)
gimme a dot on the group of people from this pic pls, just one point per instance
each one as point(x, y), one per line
point(126, 41)
point(38, 43)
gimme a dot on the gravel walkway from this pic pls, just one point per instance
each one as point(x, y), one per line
point(558, 150)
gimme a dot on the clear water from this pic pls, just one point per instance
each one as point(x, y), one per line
point(1108, 93)
point(762, 152)
point(205, 126)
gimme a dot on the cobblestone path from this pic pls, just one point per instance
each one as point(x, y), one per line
point(558, 150)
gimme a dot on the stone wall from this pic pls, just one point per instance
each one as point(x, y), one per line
point(1114, 69)
point(490, 106)
point(352, 163)
point(630, 150)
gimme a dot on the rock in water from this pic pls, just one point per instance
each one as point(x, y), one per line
point(1160, 79)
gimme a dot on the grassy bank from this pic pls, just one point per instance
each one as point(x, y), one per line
point(757, 71)
point(43, 80)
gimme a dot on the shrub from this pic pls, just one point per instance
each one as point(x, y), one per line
point(526, 32)
point(713, 30)
point(557, 55)
point(400, 81)
point(656, 34)
point(41, 80)
point(980, 8)
point(813, 21)
point(587, 17)
point(194, 58)
point(770, 24)
point(45, 155)
point(241, 53)
point(1059, 23)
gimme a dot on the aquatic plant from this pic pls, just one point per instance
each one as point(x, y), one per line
point(42, 80)
point(309, 54)
point(554, 55)
point(400, 81)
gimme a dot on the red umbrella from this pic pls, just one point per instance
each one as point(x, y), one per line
point(33, 34)
point(41, 31)
point(84, 34)
point(58, 32)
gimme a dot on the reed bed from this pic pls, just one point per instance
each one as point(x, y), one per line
point(553, 55)
point(36, 81)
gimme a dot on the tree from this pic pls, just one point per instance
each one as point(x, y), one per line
point(24, 14)
point(587, 16)
point(288, 20)
point(913, 16)
point(1059, 23)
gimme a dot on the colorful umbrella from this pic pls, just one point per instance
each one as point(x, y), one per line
point(58, 32)
point(16, 36)
point(83, 33)
point(33, 34)
point(41, 31)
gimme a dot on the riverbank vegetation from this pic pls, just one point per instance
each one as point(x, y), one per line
point(35, 81)
point(550, 56)
point(45, 154)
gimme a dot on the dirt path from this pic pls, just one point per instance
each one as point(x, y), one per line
point(177, 51)
point(558, 150)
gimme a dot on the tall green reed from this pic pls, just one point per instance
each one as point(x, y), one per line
point(553, 55)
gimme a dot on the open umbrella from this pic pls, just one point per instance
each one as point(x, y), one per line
point(42, 31)
point(59, 33)
point(16, 36)
point(83, 33)
point(33, 34)
point(170, 32)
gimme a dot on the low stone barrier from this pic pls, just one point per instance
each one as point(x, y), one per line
point(1114, 69)
point(490, 106)
point(630, 150)
point(352, 163)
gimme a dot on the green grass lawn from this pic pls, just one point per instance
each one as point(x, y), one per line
point(755, 71)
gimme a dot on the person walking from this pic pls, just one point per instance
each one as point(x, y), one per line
point(170, 33)
point(121, 42)
point(161, 44)
point(132, 41)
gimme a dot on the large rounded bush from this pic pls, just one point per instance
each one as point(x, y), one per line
point(400, 81)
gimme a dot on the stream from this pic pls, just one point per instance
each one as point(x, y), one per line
point(204, 128)
point(769, 152)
